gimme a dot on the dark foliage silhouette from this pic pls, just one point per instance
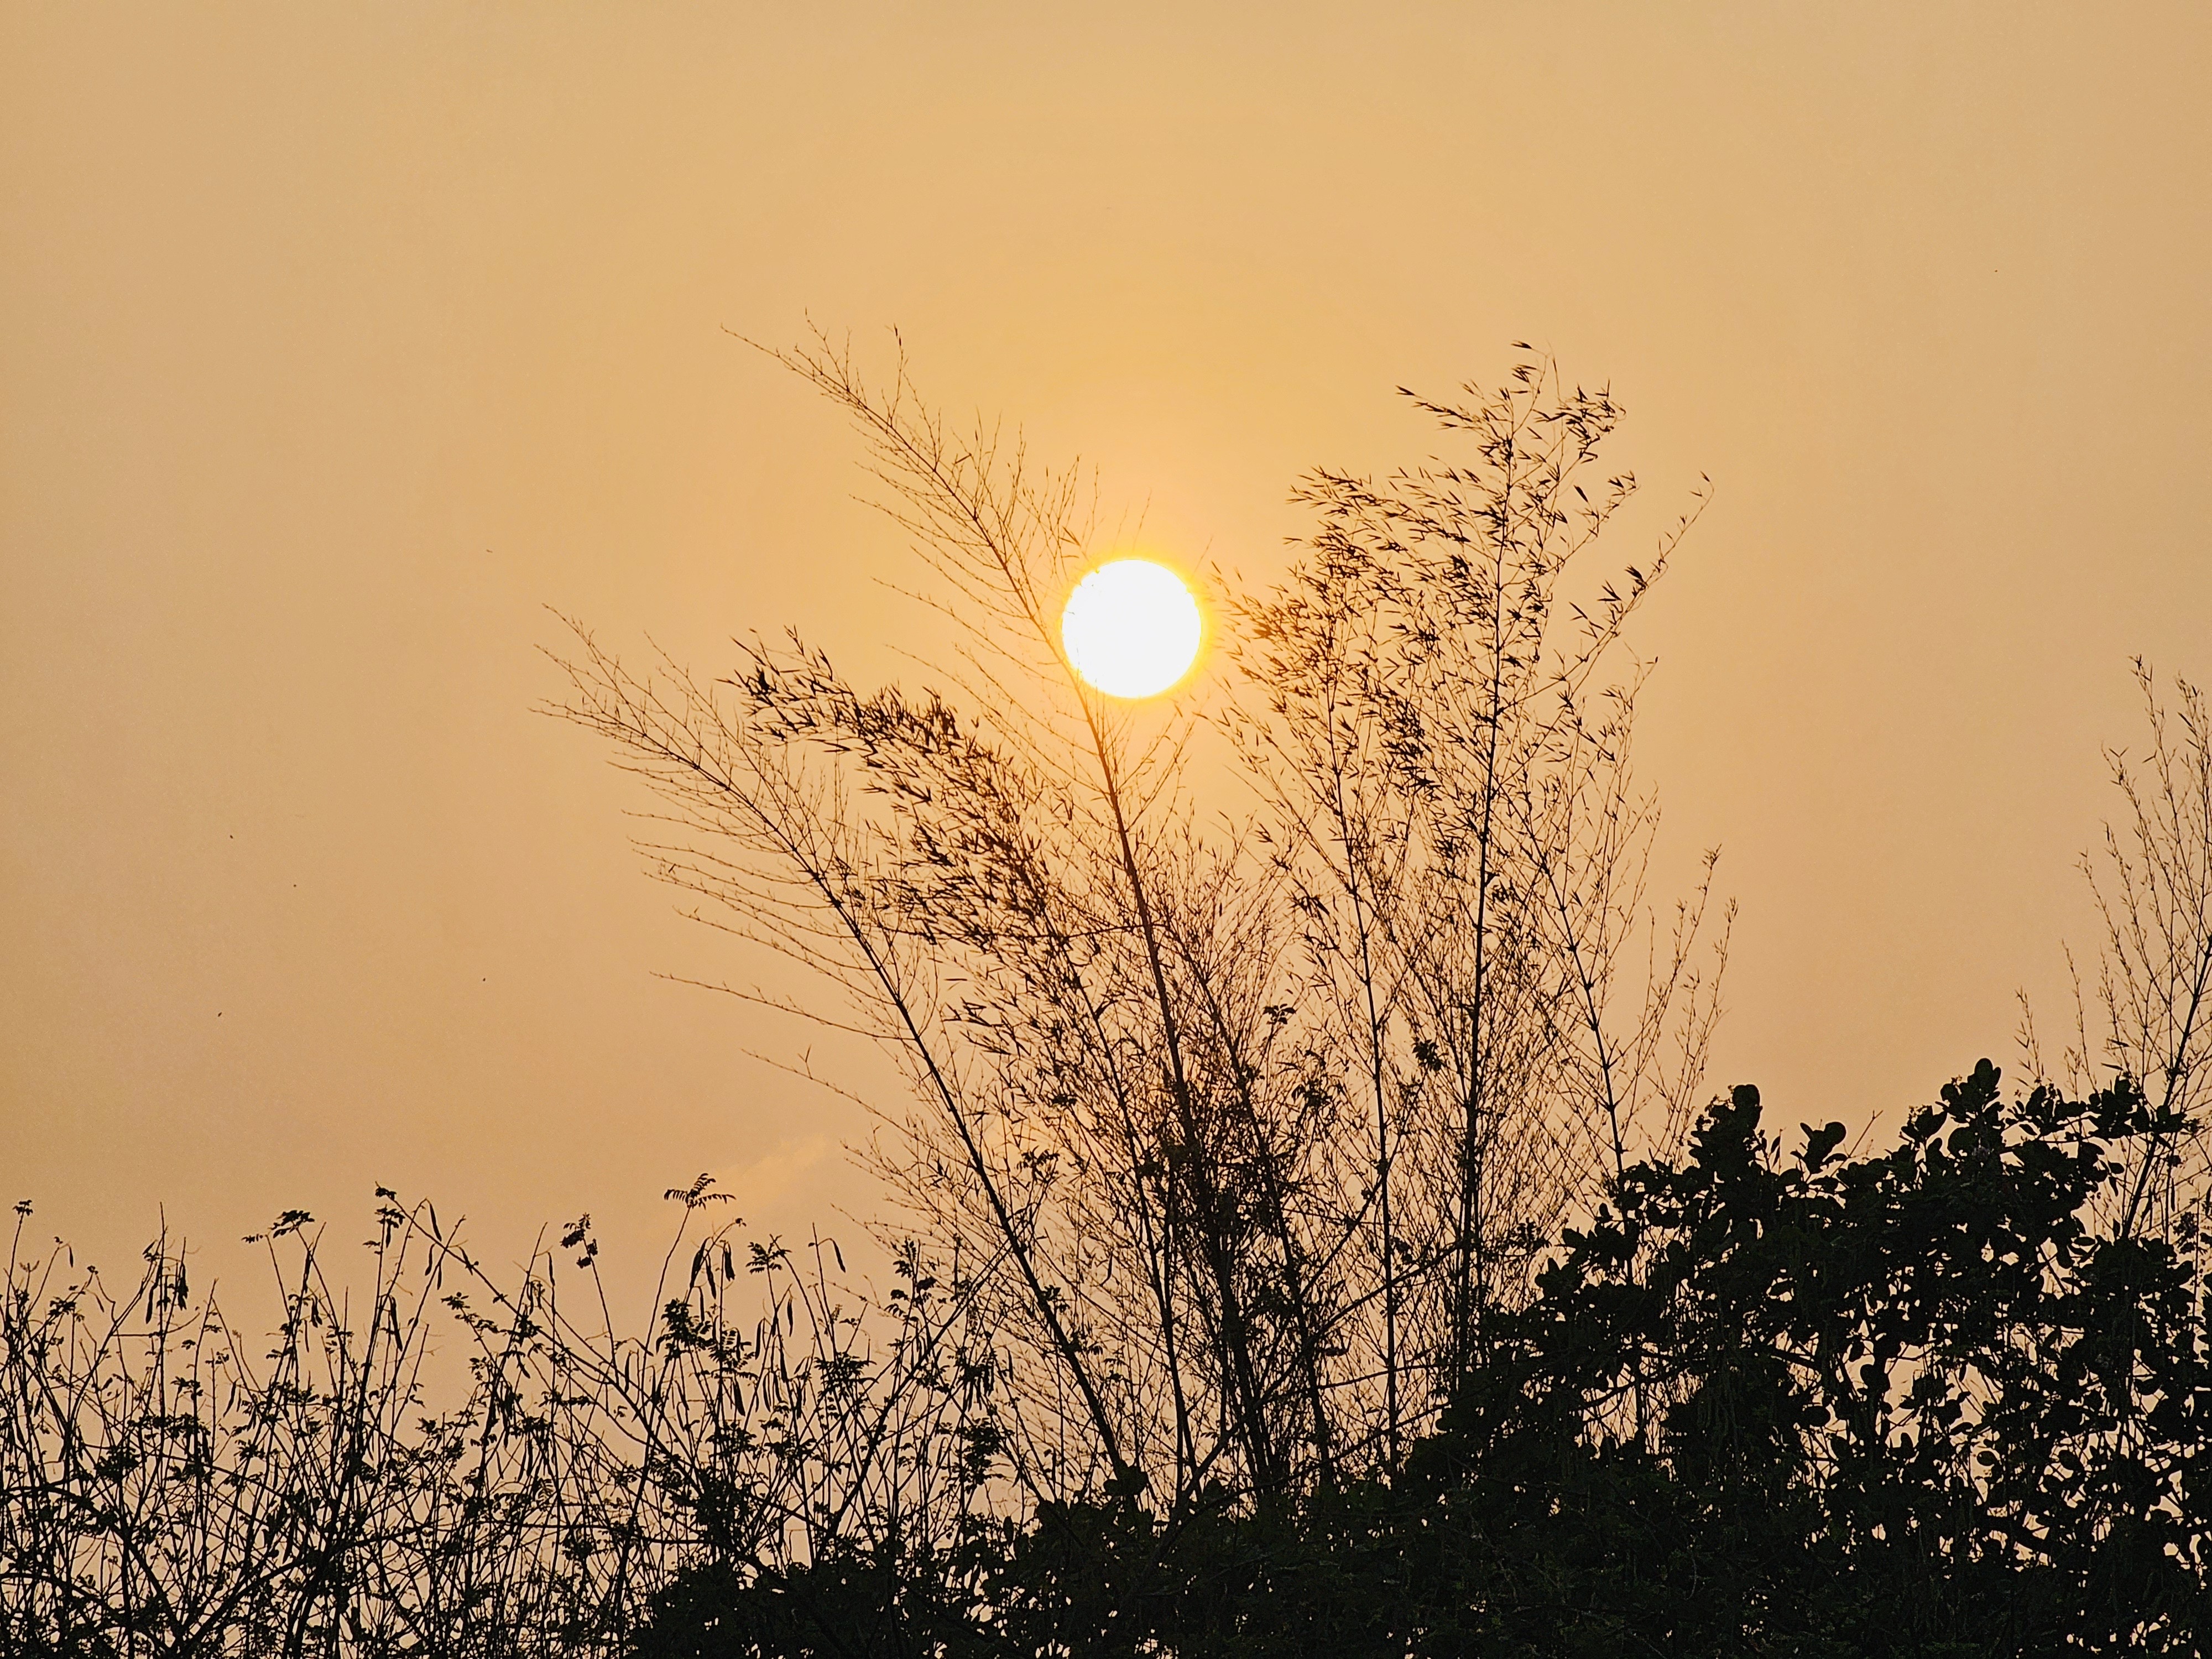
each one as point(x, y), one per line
point(1912, 1403)
point(1304, 1236)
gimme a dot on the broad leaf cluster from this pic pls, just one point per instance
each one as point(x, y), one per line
point(1910, 1403)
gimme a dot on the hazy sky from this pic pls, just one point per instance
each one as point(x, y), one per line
point(336, 341)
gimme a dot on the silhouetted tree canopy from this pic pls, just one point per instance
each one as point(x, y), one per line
point(1914, 1402)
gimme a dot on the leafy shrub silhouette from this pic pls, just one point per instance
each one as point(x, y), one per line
point(1912, 1403)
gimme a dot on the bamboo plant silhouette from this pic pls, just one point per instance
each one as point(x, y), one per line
point(1243, 1130)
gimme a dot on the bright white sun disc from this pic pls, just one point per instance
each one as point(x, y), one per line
point(1131, 628)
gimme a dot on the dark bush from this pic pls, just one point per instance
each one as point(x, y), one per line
point(1912, 1403)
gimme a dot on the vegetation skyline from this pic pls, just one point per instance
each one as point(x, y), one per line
point(312, 408)
point(1307, 1235)
point(338, 349)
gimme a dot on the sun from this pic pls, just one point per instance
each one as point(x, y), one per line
point(1132, 628)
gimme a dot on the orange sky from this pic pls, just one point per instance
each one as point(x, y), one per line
point(337, 341)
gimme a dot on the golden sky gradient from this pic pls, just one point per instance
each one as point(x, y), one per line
point(335, 342)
